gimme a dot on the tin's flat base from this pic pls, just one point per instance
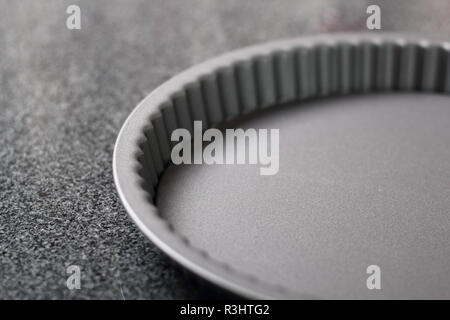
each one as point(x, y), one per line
point(363, 180)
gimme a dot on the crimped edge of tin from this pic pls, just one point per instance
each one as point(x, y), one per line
point(246, 81)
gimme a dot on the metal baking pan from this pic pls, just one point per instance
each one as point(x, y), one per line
point(363, 180)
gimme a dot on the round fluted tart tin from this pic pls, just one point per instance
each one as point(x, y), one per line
point(360, 204)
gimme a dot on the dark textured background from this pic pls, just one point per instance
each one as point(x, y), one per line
point(64, 96)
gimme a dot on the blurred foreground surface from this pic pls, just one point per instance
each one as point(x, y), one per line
point(64, 96)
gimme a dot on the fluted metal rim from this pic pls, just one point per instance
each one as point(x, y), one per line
point(245, 81)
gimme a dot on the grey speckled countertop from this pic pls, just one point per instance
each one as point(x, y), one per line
point(64, 96)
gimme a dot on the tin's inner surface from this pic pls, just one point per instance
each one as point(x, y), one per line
point(363, 180)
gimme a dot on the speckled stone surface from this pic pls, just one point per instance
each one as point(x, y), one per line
point(63, 98)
